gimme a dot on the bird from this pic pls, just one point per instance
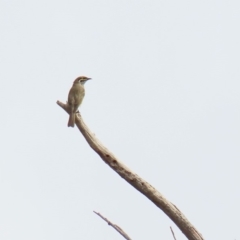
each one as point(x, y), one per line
point(75, 97)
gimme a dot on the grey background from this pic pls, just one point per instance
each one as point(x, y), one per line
point(164, 98)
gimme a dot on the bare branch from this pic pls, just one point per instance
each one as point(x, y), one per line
point(136, 181)
point(116, 227)
point(173, 233)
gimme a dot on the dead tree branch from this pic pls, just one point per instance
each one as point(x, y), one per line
point(116, 227)
point(136, 181)
point(173, 233)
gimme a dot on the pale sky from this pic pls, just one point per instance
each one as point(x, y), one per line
point(164, 99)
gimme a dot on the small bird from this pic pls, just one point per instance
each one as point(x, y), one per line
point(75, 97)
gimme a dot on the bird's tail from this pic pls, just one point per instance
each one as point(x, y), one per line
point(71, 120)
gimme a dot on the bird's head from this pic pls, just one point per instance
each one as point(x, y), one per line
point(81, 80)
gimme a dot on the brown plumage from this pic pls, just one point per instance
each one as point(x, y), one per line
point(75, 97)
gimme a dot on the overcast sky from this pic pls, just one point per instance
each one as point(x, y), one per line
point(164, 98)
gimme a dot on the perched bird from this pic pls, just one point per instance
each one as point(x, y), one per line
point(75, 97)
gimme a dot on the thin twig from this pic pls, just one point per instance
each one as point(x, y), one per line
point(173, 233)
point(136, 181)
point(116, 227)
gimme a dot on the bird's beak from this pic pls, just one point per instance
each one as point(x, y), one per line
point(89, 79)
